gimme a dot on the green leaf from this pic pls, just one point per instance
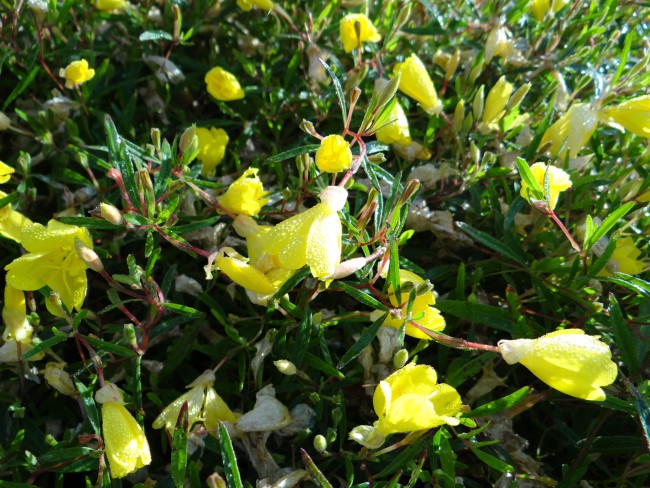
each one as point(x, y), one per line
point(229, 459)
point(493, 243)
point(612, 219)
point(531, 152)
point(90, 223)
point(45, 345)
point(497, 318)
point(100, 345)
point(316, 475)
point(136, 219)
point(529, 178)
point(339, 91)
point(629, 38)
point(182, 309)
point(21, 87)
point(179, 448)
point(360, 295)
point(641, 405)
point(492, 461)
point(292, 153)
point(365, 339)
point(121, 161)
point(89, 403)
point(302, 338)
point(625, 339)
point(500, 405)
point(630, 282)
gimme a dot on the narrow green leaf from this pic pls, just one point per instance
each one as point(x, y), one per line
point(43, 346)
point(100, 345)
point(365, 339)
point(612, 219)
point(302, 338)
point(625, 339)
point(229, 459)
point(183, 309)
point(179, 447)
point(89, 403)
point(21, 87)
point(629, 38)
point(90, 223)
point(500, 405)
point(292, 153)
point(359, 295)
point(492, 243)
point(531, 182)
point(539, 134)
point(288, 285)
point(339, 91)
point(641, 405)
point(121, 161)
point(136, 219)
point(492, 461)
point(316, 475)
point(630, 282)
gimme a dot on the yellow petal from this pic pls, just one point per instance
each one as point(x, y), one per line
point(169, 416)
point(5, 172)
point(333, 155)
point(574, 129)
point(126, 446)
point(348, 31)
point(245, 275)
point(245, 195)
point(223, 85)
point(212, 148)
point(416, 83)
point(216, 410)
point(324, 245)
point(633, 115)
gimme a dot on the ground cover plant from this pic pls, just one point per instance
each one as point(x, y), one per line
point(345, 243)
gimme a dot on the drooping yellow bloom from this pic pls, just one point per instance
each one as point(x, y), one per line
point(245, 195)
point(5, 172)
point(633, 115)
point(52, 261)
point(76, 73)
point(348, 31)
point(624, 259)
point(559, 180)
point(223, 85)
point(410, 399)
point(249, 4)
point(14, 316)
point(573, 130)
point(495, 105)
point(203, 404)
point(12, 222)
point(312, 237)
point(59, 379)
point(212, 148)
point(416, 83)
point(125, 444)
point(333, 155)
point(568, 360)
point(110, 5)
point(396, 131)
point(423, 312)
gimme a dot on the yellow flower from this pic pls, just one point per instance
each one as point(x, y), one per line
point(312, 237)
point(333, 155)
point(245, 275)
point(245, 195)
point(249, 4)
point(541, 8)
point(52, 261)
point(410, 399)
point(495, 105)
point(125, 444)
point(416, 83)
point(498, 43)
point(14, 316)
point(633, 115)
point(624, 259)
point(76, 73)
point(572, 130)
point(9, 352)
point(396, 131)
point(223, 85)
point(202, 402)
point(568, 360)
point(59, 379)
point(348, 31)
point(423, 313)
point(559, 181)
point(5, 172)
point(109, 5)
point(212, 147)
point(11, 221)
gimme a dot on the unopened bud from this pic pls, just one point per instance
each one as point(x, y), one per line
point(412, 187)
point(519, 95)
point(111, 213)
point(400, 358)
point(452, 64)
point(285, 367)
point(188, 139)
point(156, 138)
point(59, 379)
point(459, 115)
point(308, 127)
point(377, 158)
point(423, 288)
point(474, 152)
point(5, 122)
point(320, 443)
point(216, 481)
point(475, 73)
point(479, 101)
point(88, 256)
point(129, 334)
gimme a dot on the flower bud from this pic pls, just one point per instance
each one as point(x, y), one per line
point(285, 367)
point(5, 122)
point(88, 256)
point(188, 139)
point(59, 379)
point(111, 214)
point(320, 443)
point(400, 358)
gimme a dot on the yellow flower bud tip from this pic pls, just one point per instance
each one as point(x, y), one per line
point(125, 444)
point(633, 115)
point(333, 155)
point(212, 148)
point(223, 85)
point(52, 260)
point(495, 104)
point(498, 43)
point(416, 83)
point(568, 360)
point(110, 5)
point(355, 29)
point(76, 73)
point(247, 5)
point(559, 180)
point(572, 130)
point(410, 400)
point(285, 367)
point(5, 172)
point(245, 195)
